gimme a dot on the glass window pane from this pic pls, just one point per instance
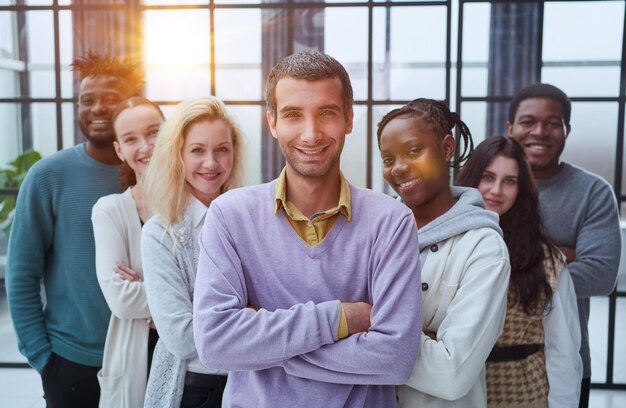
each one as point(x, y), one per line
point(591, 143)
point(8, 34)
point(348, 46)
point(42, 83)
point(173, 2)
point(40, 39)
point(9, 83)
point(474, 114)
point(238, 54)
point(619, 355)
point(474, 79)
point(378, 182)
point(177, 59)
point(66, 50)
point(476, 20)
point(354, 155)
point(415, 68)
point(44, 127)
point(598, 330)
point(249, 120)
point(12, 132)
point(68, 111)
point(584, 81)
point(583, 31)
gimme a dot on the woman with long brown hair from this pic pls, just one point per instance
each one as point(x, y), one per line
point(536, 361)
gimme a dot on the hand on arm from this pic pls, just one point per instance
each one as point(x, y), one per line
point(598, 246)
point(126, 273)
point(569, 252)
point(358, 316)
point(227, 330)
point(123, 291)
point(386, 352)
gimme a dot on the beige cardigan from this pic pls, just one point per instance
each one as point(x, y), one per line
point(117, 233)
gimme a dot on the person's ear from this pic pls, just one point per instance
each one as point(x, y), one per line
point(118, 150)
point(568, 128)
point(509, 128)
point(350, 121)
point(448, 146)
point(271, 122)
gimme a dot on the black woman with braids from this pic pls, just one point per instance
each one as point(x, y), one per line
point(52, 241)
point(465, 263)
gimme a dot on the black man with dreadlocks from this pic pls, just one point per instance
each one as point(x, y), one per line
point(464, 260)
point(52, 241)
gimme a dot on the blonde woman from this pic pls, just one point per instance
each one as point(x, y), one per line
point(198, 156)
point(117, 220)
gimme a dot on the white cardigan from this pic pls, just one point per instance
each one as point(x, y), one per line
point(465, 304)
point(117, 233)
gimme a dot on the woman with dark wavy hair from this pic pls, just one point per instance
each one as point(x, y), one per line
point(535, 362)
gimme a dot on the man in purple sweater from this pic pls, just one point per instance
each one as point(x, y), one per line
point(308, 288)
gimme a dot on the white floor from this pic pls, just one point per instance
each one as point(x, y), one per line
point(21, 387)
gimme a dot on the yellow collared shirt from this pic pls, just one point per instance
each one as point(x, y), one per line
point(313, 230)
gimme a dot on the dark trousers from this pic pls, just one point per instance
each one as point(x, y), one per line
point(67, 384)
point(584, 393)
point(202, 394)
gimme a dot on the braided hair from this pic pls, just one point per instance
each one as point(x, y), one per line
point(440, 120)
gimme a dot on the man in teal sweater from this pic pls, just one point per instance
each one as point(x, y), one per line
point(62, 333)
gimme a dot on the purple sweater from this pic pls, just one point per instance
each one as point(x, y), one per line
point(287, 353)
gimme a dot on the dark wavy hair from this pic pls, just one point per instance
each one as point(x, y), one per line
point(439, 119)
point(521, 225)
point(93, 64)
point(127, 175)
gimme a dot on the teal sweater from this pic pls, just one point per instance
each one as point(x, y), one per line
point(52, 240)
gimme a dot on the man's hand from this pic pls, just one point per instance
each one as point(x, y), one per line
point(569, 252)
point(358, 316)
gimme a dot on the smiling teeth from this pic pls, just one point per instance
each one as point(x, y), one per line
point(311, 151)
point(99, 122)
point(408, 183)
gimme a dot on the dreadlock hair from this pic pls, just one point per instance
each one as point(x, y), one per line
point(438, 118)
point(93, 64)
point(521, 225)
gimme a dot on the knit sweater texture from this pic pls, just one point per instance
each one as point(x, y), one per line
point(579, 210)
point(52, 239)
point(286, 353)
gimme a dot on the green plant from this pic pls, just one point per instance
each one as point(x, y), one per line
point(11, 177)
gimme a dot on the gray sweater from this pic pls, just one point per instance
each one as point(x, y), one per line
point(579, 210)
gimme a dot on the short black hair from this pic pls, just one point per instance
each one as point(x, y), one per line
point(540, 90)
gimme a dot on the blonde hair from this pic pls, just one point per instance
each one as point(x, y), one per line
point(164, 182)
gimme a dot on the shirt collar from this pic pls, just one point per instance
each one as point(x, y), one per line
point(197, 210)
point(345, 195)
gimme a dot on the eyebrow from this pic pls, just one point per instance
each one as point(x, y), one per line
point(507, 176)
point(291, 108)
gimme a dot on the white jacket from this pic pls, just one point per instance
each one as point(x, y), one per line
point(117, 232)
point(465, 279)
